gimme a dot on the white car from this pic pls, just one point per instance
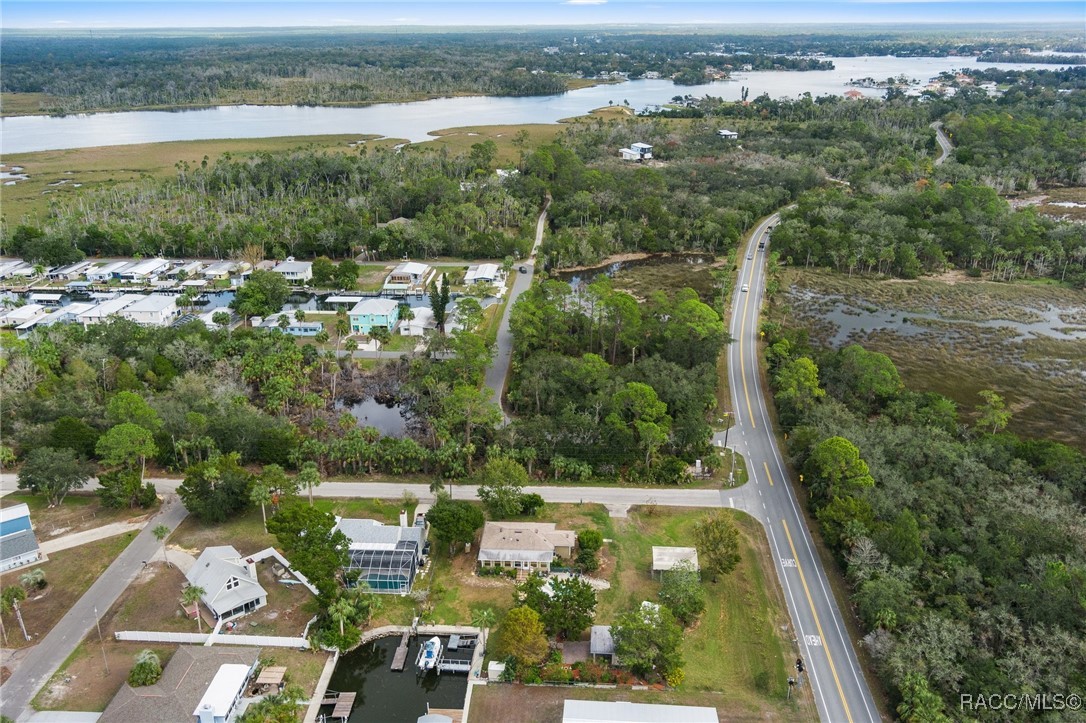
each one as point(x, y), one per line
point(750, 256)
point(746, 287)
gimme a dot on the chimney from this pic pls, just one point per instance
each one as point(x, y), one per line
point(206, 714)
point(252, 568)
point(403, 518)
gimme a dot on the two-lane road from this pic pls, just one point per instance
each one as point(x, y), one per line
point(839, 688)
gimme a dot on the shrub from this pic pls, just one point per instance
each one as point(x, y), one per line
point(531, 675)
point(146, 671)
point(557, 673)
point(675, 677)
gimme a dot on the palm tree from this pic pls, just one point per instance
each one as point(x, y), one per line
point(191, 596)
point(5, 608)
point(341, 611)
point(299, 315)
point(381, 335)
point(261, 495)
point(310, 477)
point(484, 619)
point(12, 597)
point(33, 579)
point(161, 532)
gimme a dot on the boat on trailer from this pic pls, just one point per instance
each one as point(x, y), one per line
point(429, 654)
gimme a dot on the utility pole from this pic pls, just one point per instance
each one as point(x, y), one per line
point(101, 641)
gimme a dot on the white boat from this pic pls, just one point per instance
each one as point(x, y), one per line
point(428, 654)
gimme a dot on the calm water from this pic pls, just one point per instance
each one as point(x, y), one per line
point(414, 121)
point(387, 697)
point(386, 419)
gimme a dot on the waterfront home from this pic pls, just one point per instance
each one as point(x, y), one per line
point(20, 315)
point(421, 321)
point(18, 545)
point(384, 557)
point(69, 272)
point(222, 270)
point(229, 582)
point(188, 270)
point(374, 312)
point(636, 152)
point(295, 272)
point(106, 272)
point(410, 277)
point(144, 270)
point(531, 546)
point(110, 307)
point(293, 327)
point(483, 274)
point(192, 682)
point(153, 310)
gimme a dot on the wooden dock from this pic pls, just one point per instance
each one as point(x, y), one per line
point(457, 714)
point(344, 703)
point(399, 659)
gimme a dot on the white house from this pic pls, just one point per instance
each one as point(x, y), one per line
point(223, 269)
point(18, 546)
point(21, 314)
point(223, 694)
point(143, 270)
point(422, 321)
point(190, 270)
point(153, 310)
point(69, 272)
point(483, 274)
point(8, 268)
point(106, 272)
point(293, 326)
point(385, 557)
point(727, 134)
point(374, 312)
point(230, 582)
point(636, 152)
point(110, 307)
point(296, 272)
point(410, 276)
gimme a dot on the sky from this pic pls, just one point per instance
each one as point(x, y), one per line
point(174, 14)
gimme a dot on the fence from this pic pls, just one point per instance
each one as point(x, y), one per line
point(264, 641)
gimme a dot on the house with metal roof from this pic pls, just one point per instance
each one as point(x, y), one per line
point(153, 310)
point(666, 558)
point(21, 314)
point(143, 270)
point(194, 678)
point(385, 557)
point(107, 272)
point(229, 582)
point(374, 312)
point(296, 272)
point(110, 307)
point(524, 545)
point(616, 711)
point(18, 545)
point(483, 274)
point(410, 277)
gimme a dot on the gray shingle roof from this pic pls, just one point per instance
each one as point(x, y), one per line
point(17, 543)
point(213, 569)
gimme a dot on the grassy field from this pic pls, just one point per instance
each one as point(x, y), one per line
point(1036, 374)
point(77, 513)
point(68, 573)
point(461, 139)
point(107, 165)
point(736, 656)
point(23, 103)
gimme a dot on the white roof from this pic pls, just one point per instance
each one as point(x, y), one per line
point(194, 283)
point(142, 268)
point(154, 302)
point(412, 267)
point(110, 268)
point(481, 271)
point(21, 313)
point(639, 146)
point(293, 267)
point(112, 306)
point(14, 512)
point(224, 689)
point(45, 297)
point(665, 558)
point(608, 711)
point(374, 306)
point(342, 299)
point(213, 569)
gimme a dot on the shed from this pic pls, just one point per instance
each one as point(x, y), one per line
point(602, 642)
point(666, 558)
point(614, 711)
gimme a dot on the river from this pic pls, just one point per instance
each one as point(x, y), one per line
point(415, 121)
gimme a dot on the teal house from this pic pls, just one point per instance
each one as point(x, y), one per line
point(370, 313)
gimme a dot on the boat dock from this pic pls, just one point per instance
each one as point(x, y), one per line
point(457, 655)
point(341, 703)
point(456, 714)
point(399, 659)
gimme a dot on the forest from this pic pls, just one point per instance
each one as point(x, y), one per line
point(963, 546)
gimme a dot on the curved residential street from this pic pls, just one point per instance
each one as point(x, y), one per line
point(945, 147)
point(836, 679)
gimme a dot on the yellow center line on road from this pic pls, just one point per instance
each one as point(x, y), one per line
point(818, 625)
point(742, 336)
point(768, 476)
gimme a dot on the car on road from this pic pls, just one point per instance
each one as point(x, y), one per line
point(750, 256)
point(746, 287)
point(523, 269)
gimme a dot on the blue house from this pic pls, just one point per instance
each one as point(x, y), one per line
point(293, 327)
point(18, 545)
point(374, 312)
